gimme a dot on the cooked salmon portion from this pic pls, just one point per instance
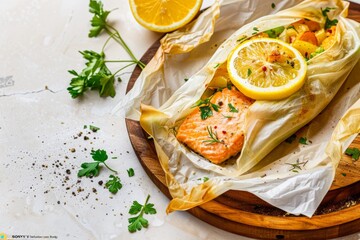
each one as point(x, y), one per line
point(219, 135)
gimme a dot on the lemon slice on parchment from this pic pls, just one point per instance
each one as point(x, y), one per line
point(266, 69)
point(164, 15)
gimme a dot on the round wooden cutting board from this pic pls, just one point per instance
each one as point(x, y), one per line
point(245, 214)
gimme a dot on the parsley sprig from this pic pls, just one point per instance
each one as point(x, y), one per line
point(96, 75)
point(138, 222)
point(90, 169)
point(206, 107)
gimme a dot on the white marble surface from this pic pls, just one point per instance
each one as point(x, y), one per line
point(39, 42)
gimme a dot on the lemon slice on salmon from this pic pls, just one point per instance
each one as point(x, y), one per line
point(266, 69)
point(164, 15)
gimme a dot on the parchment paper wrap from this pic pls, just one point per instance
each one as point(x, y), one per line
point(263, 167)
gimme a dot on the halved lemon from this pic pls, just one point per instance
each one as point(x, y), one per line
point(266, 69)
point(164, 15)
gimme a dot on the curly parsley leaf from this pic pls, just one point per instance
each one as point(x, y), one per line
point(114, 184)
point(95, 76)
point(149, 208)
point(138, 222)
point(89, 169)
point(77, 85)
point(206, 107)
point(99, 155)
point(98, 22)
point(93, 168)
point(353, 152)
point(135, 208)
point(205, 112)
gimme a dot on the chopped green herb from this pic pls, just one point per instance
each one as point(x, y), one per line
point(186, 79)
point(226, 116)
point(249, 72)
point(344, 174)
point(85, 127)
point(93, 168)
point(113, 184)
point(217, 65)
point(205, 107)
point(213, 136)
point(273, 5)
point(232, 108)
point(291, 27)
point(205, 112)
point(296, 166)
point(93, 128)
point(353, 152)
point(89, 169)
point(96, 75)
point(130, 172)
point(326, 10)
point(138, 222)
point(275, 32)
point(328, 23)
point(241, 39)
point(255, 29)
point(98, 22)
point(303, 140)
point(206, 179)
point(291, 138)
point(215, 107)
point(114, 158)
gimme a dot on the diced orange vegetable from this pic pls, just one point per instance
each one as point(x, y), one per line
point(309, 37)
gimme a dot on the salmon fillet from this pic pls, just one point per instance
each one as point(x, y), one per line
point(220, 136)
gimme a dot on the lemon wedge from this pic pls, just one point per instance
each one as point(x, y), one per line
point(266, 69)
point(164, 15)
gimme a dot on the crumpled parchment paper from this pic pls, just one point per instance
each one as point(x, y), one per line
point(264, 165)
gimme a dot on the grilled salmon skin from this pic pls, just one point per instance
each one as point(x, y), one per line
point(221, 135)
